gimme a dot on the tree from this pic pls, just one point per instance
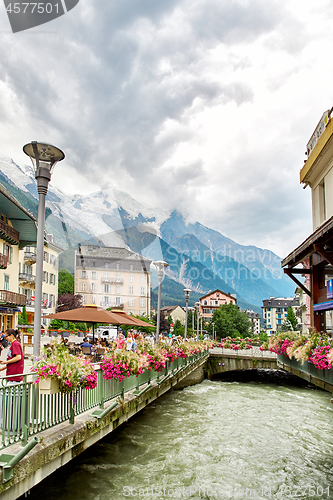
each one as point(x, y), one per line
point(65, 282)
point(231, 322)
point(69, 301)
point(23, 317)
point(291, 317)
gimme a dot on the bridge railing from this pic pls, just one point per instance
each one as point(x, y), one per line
point(254, 352)
point(25, 412)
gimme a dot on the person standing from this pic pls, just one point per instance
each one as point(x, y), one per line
point(14, 365)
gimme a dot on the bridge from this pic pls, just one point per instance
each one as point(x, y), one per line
point(64, 435)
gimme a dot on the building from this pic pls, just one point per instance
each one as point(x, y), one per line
point(27, 276)
point(255, 322)
point(17, 229)
point(175, 312)
point(275, 312)
point(212, 301)
point(315, 254)
point(113, 277)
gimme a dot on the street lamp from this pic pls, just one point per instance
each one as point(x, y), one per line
point(197, 305)
point(43, 157)
point(160, 267)
point(213, 330)
point(187, 292)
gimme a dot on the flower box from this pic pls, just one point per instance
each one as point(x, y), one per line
point(49, 385)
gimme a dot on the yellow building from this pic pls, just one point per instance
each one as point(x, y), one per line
point(315, 254)
point(27, 275)
point(17, 229)
point(113, 277)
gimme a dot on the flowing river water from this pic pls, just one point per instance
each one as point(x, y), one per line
point(226, 440)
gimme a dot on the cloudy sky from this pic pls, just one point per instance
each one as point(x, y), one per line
point(201, 105)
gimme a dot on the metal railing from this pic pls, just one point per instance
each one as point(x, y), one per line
point(29, 278)
point(25, 412)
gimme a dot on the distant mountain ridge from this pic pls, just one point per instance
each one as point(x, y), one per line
point(199, 257)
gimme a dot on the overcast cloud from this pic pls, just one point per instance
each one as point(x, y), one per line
point(201, 105)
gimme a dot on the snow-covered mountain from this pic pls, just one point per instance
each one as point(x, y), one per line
point(113, 218)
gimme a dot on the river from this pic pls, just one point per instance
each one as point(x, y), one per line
point(218, 439)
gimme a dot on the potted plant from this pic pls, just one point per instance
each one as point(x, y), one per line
point(58, 365)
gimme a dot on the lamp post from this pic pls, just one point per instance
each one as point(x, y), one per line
point(197, 305)
point(43, 157)
point(213, 330)
point(160, 267)
point(187, 292)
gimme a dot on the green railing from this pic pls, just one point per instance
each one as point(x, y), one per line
point(25, 412)
point(306, 367)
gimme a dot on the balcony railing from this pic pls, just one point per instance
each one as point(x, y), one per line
point(12, 298)
point(27, 277)
point(116, 281)
point(9, 234)
point(30, 256)
point(3, 261)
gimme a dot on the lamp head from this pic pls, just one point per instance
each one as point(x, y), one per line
point(187, 292)
point(43, 155)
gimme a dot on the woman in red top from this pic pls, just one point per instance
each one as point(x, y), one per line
point(15, 360)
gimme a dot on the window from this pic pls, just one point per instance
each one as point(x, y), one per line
point(131, 290)
point(118, 277)
point(142, 290)
point(106, 300)
point(83, 287)
point(118, 289)
point(52, 279)
point(131, 278)
point(142, 278)
point(106, 276)
point(92, 288)
point(117, 301)
point(44, 299)
point(106, 288)
point(83, 299)
point(83, 275)
point(131, 267)
point(45, 257)
point(216, 302)
point(142, 302)
point(8, 251)
point(117, 265)
point(93, 299)
point(94, 275)
point(45, 276)
point(6, 282)
point(131, 302)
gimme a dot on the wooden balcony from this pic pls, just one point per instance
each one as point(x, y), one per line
point(8, 233)
point(3, 261)
point(12, 298)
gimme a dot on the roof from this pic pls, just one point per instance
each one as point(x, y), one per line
point(170, 309)
point(218, 291)
point(22, 220)
point(320, 236)
point(280, 302)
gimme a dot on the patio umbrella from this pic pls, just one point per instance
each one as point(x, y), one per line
point(92, 314)
point(137, 321)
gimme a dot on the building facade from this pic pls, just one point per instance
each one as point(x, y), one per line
point(275, 312)
point(27, 276)
point(314, 257)
point(17, 229)
point(212, 301)
point(175, 312)
point(254, 318)
point(113, 277)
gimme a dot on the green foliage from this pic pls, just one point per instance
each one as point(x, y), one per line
point(65, 282)
point(291, 317)
point(23, 317)
point(57, 324)
point(263, 337)
point(178, 329)
point(231, 322)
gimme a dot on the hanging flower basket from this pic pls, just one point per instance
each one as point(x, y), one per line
point(49, 386)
